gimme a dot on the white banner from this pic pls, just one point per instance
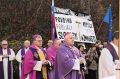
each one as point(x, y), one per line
point(86, 30)
point(82, 29)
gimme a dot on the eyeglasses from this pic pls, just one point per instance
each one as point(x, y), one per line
point(40, 40)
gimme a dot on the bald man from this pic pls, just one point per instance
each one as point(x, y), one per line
point(68, 59)
point(21, 53)
point(7, 55)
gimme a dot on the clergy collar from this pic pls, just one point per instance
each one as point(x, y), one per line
point(4, 48)
point(67, 45)
point(70, 47)
point(52, 46)
point(26, 48)
point(33, 46)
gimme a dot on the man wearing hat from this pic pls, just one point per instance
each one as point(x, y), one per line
point(35, 63)
point(7, 55)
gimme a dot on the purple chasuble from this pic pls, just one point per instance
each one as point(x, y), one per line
point(30, 60)
point(50, 55)
point(64, 63)
point(10, 75)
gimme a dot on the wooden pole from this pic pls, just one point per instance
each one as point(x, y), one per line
point(119, 28)
point(118, 72)
point(99, 28)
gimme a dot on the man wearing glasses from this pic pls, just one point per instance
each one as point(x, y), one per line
point(7, 55)
point(34, 63)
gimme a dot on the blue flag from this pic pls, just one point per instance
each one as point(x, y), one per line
point(108, 20)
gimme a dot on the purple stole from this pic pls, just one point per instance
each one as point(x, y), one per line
point(22, 53)
point(9, 66)
point(112, 52)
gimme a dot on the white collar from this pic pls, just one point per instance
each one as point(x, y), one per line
point(4, 49)
point(26, 48)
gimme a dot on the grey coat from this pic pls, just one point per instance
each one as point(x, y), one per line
point(93, 57)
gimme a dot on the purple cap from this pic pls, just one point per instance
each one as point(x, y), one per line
point(67, 33)
point(36, 36)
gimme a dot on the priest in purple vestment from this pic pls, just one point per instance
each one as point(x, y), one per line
point(34, 63)
point(51, 54)
point(7, 56)
point(68, 60)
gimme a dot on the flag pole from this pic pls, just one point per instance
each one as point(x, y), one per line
point(119, 38)
point(52, 19)
point(52, 2)
point(119, 30)
point(99, 28)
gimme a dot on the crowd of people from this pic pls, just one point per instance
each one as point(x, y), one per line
point(61, 59)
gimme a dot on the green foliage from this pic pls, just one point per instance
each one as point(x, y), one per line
point(20, 19)
point(15, 45)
